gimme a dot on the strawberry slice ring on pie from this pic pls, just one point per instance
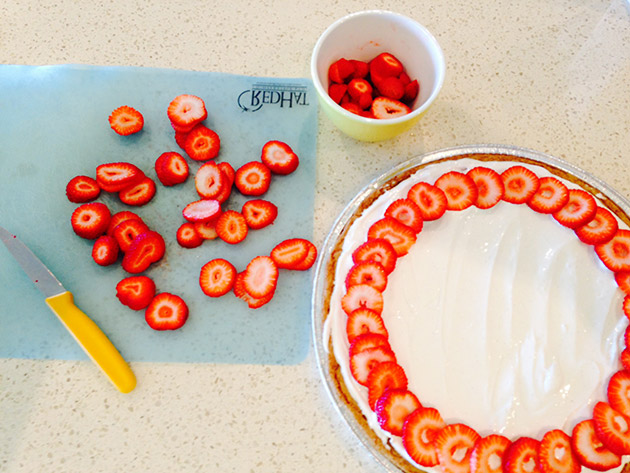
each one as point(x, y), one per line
point(471, 314)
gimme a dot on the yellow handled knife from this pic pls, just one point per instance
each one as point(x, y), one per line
point(93, 341)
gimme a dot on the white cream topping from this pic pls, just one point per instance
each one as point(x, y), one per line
point(502, 319)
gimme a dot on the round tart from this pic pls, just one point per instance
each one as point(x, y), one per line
point(470, 311)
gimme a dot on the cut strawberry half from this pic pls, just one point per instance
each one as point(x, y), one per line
point(185, 111)
point(171, 168)
point(383, 377)
point(114, 177)
point(241, 293)
point(406, 212)
point(136, 292)
point(385, 65)
point(252, 178)
point(361, 69)
point(228, 170)
point(589, 449)
point(364, 320)
point(126, 120)
point(166, 312)
point(579, 209)
point(105, 250)
point(362, 363)
point(337, 91)
point(619, 392)
point(261, 277)
point(81, 189)
point(279, 157)
point(362, 296)
point(454, 445)
point(550, 197)
point(368, 340)
point(615, 254)
point(378, 250)
point(612, 428)
point(358, 88)
point(393, 408)
point(187, 236)
point(367, 272)
point(520, 184)
point(127, 231)
point(120, 217)
point(555, 454)
point(146, 249)
point(384, 107)
point(487, 454)
point(522, 456)
point(259, 213)
point(391, 87)
point(138, 194)
point(340, 70)
point(412, 89)
point(419, 431)
point(398, 234)
point(600, 229)
point(202, 143)
point(202, 210)
point(430, 200)
point(459, 189)
point(232, 227)
point(489, 184)
point(210, 181)
point(291, 252)
point(622, 278)
point(90, 220)
point(207, 230)
point(217, 277)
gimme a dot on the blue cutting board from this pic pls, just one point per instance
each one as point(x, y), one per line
point(53, 126)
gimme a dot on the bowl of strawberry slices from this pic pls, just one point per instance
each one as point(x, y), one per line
point(376, 73)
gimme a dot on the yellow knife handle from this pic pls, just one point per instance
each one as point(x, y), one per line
point(95, 343)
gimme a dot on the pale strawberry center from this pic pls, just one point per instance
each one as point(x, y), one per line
point(165, 312)
point(620, 250)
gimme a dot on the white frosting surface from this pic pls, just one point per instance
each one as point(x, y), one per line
point(501, 318)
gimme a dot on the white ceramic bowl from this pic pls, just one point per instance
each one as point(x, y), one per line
point(363, 36)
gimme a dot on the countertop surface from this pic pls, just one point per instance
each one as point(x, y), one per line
point(553, 76)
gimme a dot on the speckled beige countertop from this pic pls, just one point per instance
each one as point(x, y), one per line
point(552, 75)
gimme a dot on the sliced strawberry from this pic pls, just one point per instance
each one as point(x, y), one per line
point(261, 277)
point(138, 194)
point(619, 392)
point(105, 250)
point(393, 408)
point(361, 69)
point(207, 230)
point(171, 168)
point(81, 189)
point(600, 229)
point(187, 236)
point(231, 227)
point(252, 178)
point(279, 157)
point(340, 70)
point(367, 272)
point(454, 445)
point(217, 277)
point(622, 278)
point(398, 234)
point(126, 120)
point(114, 177)
point(615, 254)
point(430, 200)
point(391, 87)
point(136, 292)
point(364, 320)
point(127, 231)
point(383, 107)
point(362, 296)
point(146, 249)
point(487, 454)
point(202, 143)
point(368, 340)
point(185, 111)
point(550, 197)
point(489, 186)
point(361, 363)
point(555, 454)
point(259, 213)
point(358, 88)
point(589, 449)
point(210, 181)
point(578, 211)
point(419, 431)
point(352, 107)
point(522, 456)
point(384, 376)
point(288, 253)
point(364, 102)
point(90, 220)
point(412, 89)
point(459, 189)
point(337, 91)
point(180, 138)
point(612, 428)
point(520, 184)
point(378, 250)
point(202, 210)
point(228, 170)
point(166, 312)
point(385, 65)
point(241, 293)
point(406, 212)
point(308, 261)
point(626, 306)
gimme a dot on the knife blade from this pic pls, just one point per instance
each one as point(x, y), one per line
point(61, 301)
